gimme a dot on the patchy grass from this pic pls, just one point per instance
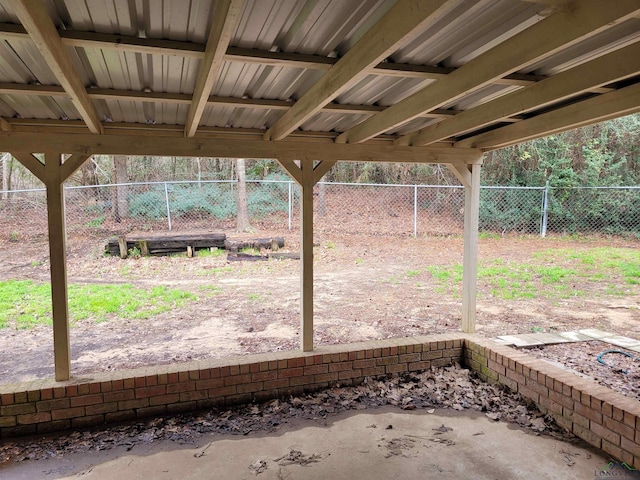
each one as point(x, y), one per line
point(27, 304)
point(552, 274)
point(211, 252)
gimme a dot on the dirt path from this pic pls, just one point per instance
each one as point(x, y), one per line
point(369, 288)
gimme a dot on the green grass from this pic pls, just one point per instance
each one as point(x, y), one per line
point(413, 273)
point(28, 304)
point(551, 274)
point(212, 252)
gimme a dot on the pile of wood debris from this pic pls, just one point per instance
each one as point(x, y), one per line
point(445, 387)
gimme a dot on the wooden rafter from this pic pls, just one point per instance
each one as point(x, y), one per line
point(225, 18)
point(604, 70)
point(151, 46)
point(556, 32)
point(397, 27)
point(185, 99)
point(43, 33)
point(597, 109)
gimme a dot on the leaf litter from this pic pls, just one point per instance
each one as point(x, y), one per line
point(439, 387)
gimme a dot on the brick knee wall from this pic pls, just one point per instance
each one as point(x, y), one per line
point(45, 405)
point(606, 419)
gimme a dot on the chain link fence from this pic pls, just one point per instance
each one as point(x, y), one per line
point(342, 208)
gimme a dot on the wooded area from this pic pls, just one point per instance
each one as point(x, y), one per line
point(604, 154)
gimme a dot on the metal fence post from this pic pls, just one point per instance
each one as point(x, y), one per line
point(415, 211)
point(545, 207)
point(166, 196)
point(290, 206)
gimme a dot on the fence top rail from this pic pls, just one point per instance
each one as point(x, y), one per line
point(178, 182)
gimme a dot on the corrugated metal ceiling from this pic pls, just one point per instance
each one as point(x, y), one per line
point(326, 28)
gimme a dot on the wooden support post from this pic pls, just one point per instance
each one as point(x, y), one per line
point(58, 259)
point(306, 255)
point(470, 261)
point(122, 245)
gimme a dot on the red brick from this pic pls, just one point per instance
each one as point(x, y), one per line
point(279, 383)
point(189, 386)
point(164, 399)
point(118, 396)
point(291, 372)
point(72, 390)
point(561, 399)
point(575, 417)
point(346, 374)
point(139, 382)
point(626, 444)
point(342, 366)
point(224, 391)
point(18, 409)
point(324, 377)
point(101, 408)
point(629, 419)
point(8, 421)
point(409, 357)
point(46, 394)
point(6, 399)
point(402, 367)
point(58, 392)
point(588, 412)
point(237, 379)
point(129, 404)
point(151, 380)
point(47, 405)
point(268, 375)
point(316, 369)
point(94, 388)
point(428, 355)
point(86, 400)
point(151, 391)
point(587, 435)
point(605, 433)
point(614, 450)
point(106, 387)
point(250, 387)
point(372, 372)
point(367, 363)
point(30, 418)
point(131, 382)
point(194, 375)
point(418, 366)
point(193, 396)
point(67, 413)
point(199, 385)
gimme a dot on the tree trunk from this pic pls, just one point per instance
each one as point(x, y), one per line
point(7, 168)
point(242, 224)
point(120, 193)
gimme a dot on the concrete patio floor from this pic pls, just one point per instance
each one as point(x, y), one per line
point(373, 444)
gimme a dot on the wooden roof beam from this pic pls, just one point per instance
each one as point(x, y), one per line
point(625, 101)
point(585, 19)
point(185, 99)
point(225, 19)
point(397, 27)
point(152, 46)
point(154, 141)
point(43, 33)
point(615, 66)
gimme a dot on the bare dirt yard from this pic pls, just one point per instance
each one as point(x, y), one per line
point(367, 287)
